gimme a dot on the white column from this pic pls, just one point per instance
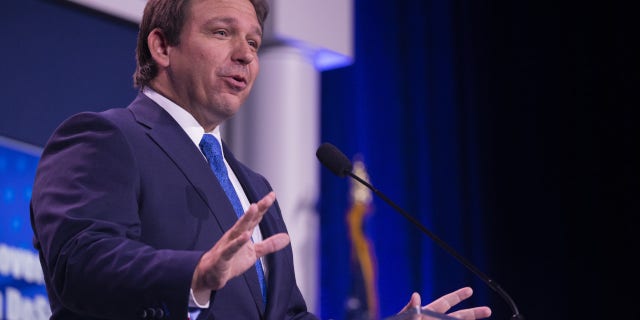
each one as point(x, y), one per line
point(276, 133)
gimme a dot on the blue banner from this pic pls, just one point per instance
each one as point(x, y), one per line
point(22, 290)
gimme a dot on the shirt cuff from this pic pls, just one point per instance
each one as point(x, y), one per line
point(199, 299)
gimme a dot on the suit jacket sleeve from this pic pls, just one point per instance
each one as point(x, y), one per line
point(86, 220)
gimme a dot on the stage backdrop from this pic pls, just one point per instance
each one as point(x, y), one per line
point(401, 107)
point(22, 291)
point(508, 128)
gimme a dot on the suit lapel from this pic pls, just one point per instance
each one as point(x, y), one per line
point(170, 137)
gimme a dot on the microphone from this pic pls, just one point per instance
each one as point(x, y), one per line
point(332, 158)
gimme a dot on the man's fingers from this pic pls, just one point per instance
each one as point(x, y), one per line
point(252, 217)
point(472, 313)
point(414, 302)
point(444, 303)
point(271, 244)
point(266, 201)
point(235, 252)
point(230, 245)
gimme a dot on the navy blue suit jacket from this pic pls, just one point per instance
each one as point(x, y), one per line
point(123, 206)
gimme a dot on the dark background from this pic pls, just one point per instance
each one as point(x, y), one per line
point(508, 128)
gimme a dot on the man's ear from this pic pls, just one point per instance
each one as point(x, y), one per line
point(158, 47)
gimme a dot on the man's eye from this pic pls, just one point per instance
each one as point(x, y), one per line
point(254, 44)
point(220, 32)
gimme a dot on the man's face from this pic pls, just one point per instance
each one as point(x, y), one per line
point(213, 68)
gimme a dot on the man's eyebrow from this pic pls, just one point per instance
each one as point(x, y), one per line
point(228, 20)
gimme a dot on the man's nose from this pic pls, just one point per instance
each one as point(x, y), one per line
point(243, 53)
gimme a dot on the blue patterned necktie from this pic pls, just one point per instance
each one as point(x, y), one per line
point(212, 151)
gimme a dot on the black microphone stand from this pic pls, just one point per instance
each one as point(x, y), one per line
point(492, 284)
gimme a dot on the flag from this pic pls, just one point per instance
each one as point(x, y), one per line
point(362, 303)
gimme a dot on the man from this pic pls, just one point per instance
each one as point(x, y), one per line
point(131, 215)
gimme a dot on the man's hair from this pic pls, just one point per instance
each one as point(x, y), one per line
point(169, 16)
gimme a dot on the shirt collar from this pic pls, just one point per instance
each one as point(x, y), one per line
point(186, 121)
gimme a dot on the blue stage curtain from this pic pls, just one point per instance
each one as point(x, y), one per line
point(510, 130)
point(405, 107)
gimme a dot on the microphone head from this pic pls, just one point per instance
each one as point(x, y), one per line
point(334, 159)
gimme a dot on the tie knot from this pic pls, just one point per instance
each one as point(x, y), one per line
point(211, 147)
